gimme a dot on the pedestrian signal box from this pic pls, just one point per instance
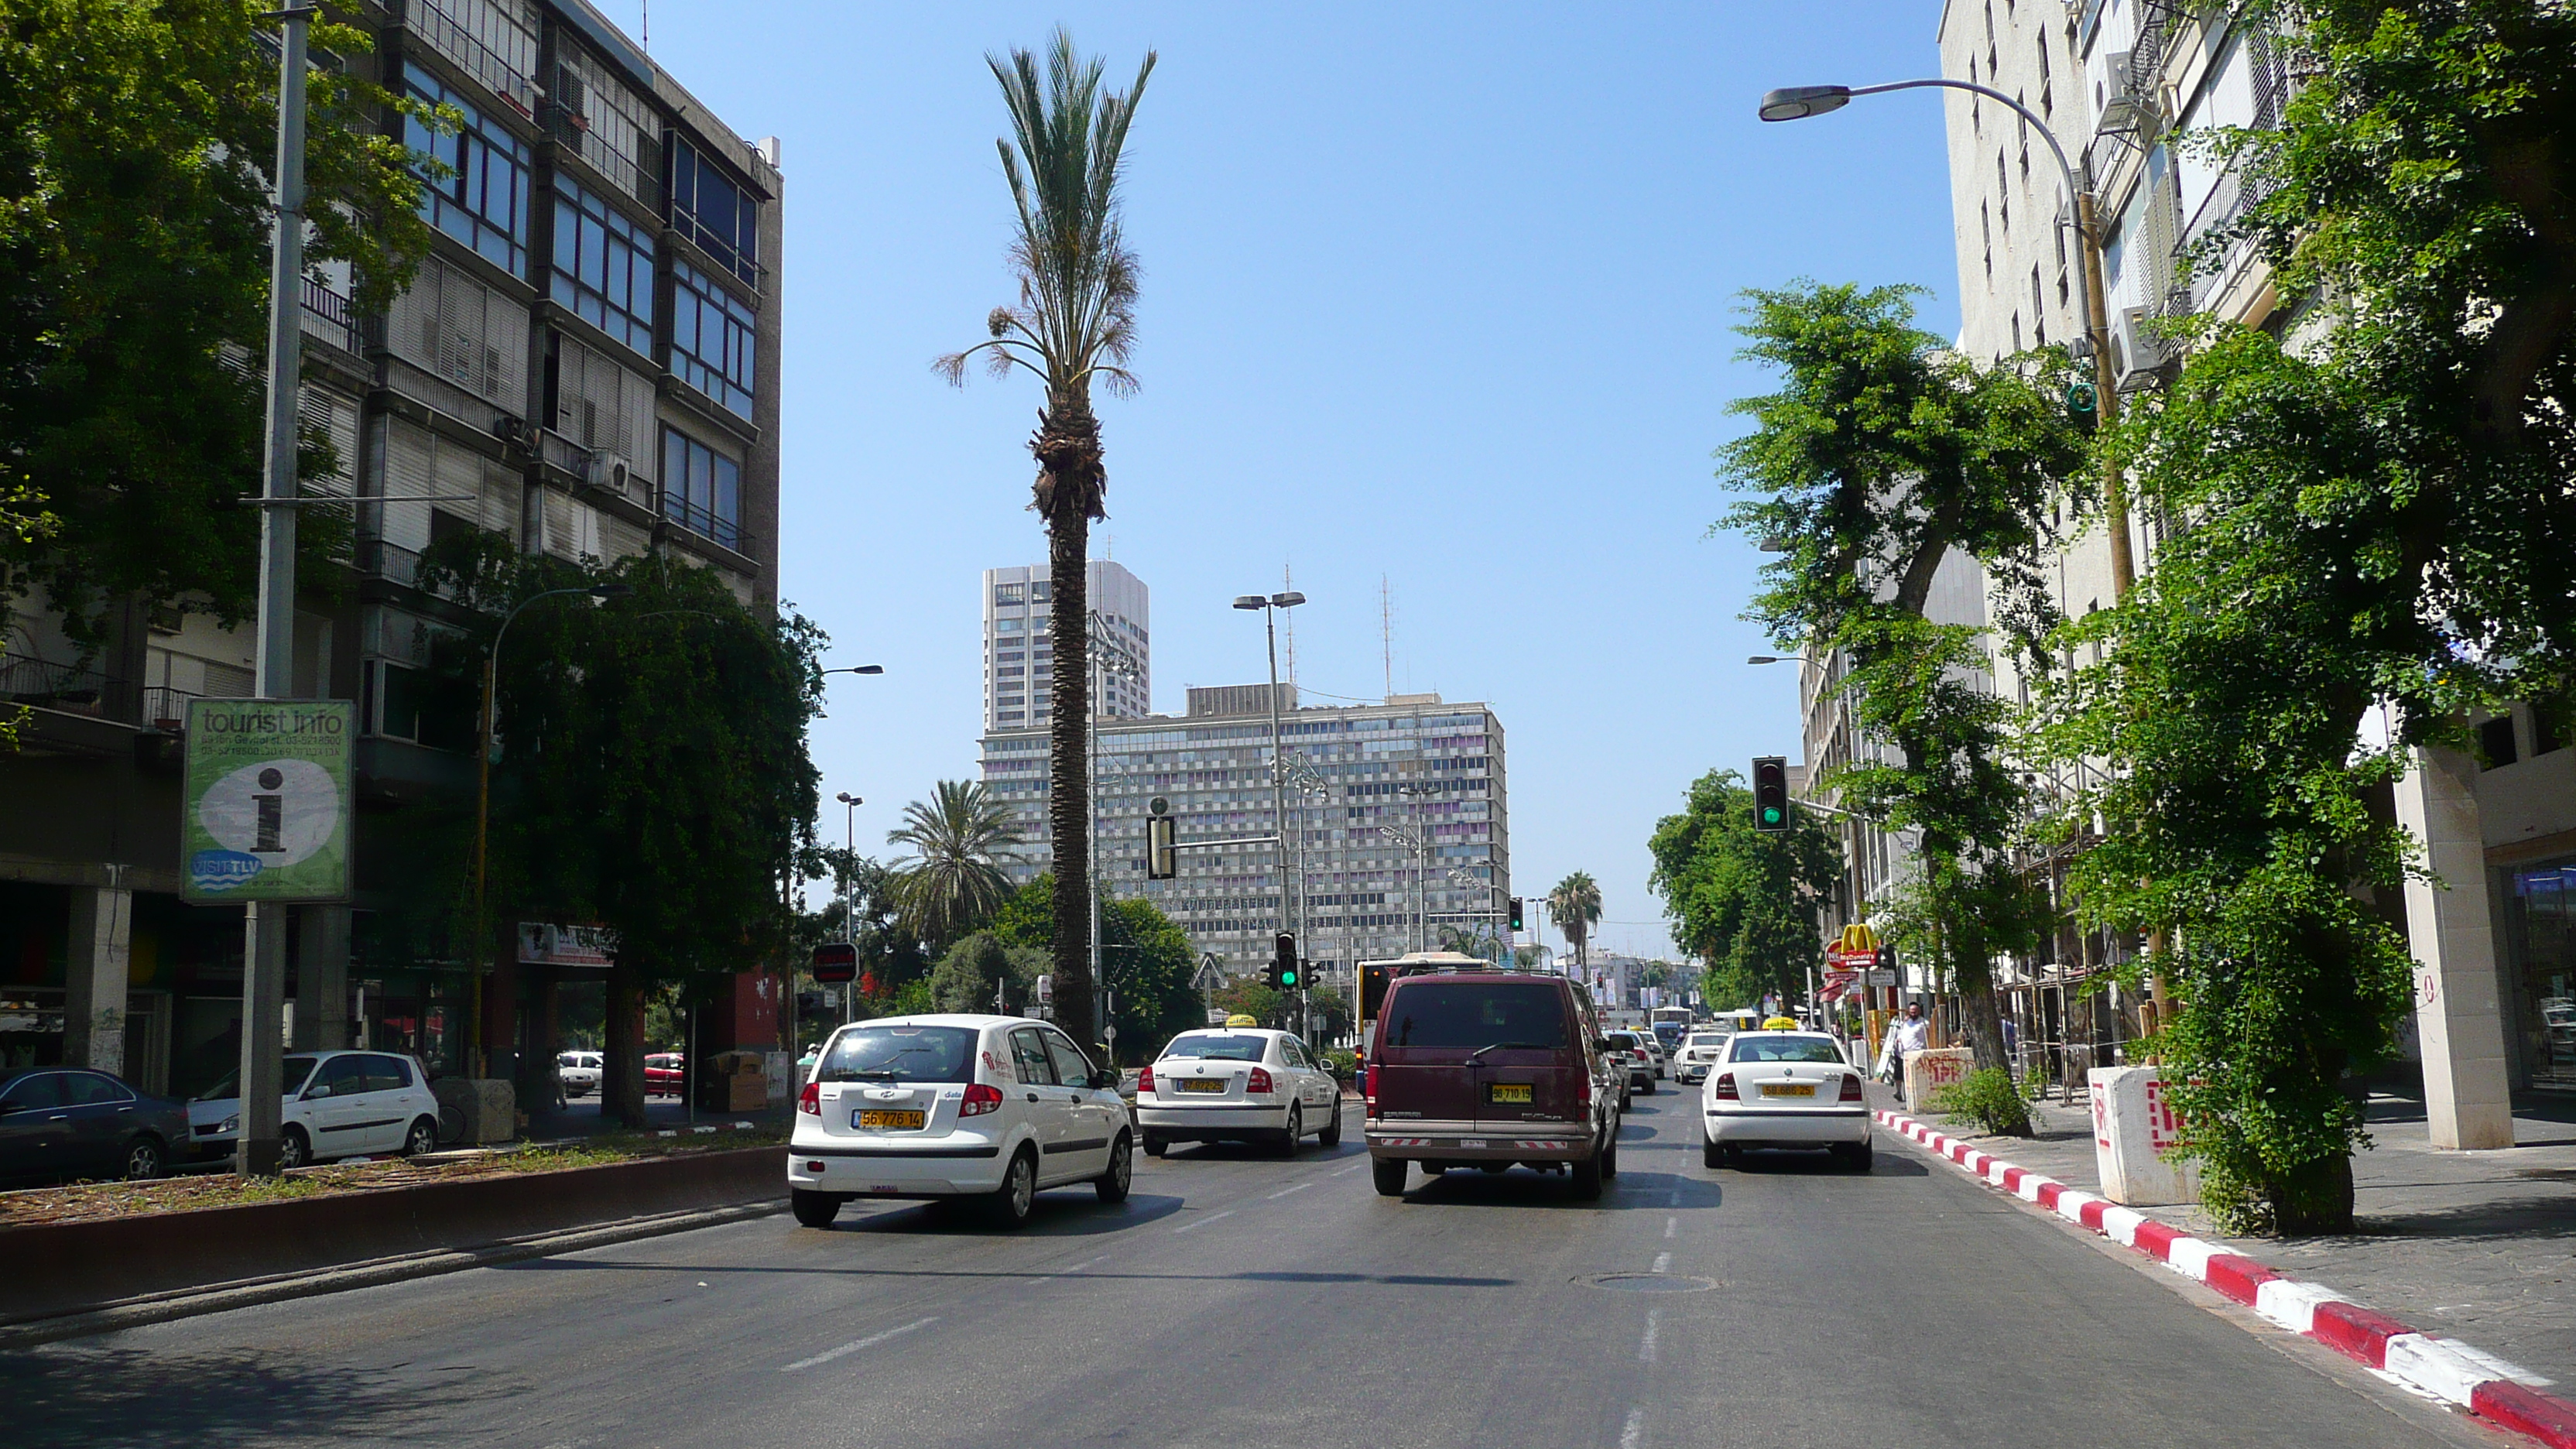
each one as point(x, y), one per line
point(836, 962)
point(1161, 854)
point(1770, 793)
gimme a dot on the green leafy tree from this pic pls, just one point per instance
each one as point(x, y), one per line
point(1741, 900)
point(1146, 958)
point(1075, 323)
point(135, 142)
point(979, 968)
point(2376, 512)
point(953, 881)
point(652, 775)
point(1575, 906)
point(1882, 455)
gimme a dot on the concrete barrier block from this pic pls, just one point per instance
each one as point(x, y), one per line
point(2133, 1126)
point(488, 1105)
point(1927, 1071)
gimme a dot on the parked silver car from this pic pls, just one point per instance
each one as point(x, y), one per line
point(338, 1104)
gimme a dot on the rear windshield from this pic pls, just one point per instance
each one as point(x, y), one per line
point(1219, 1048)
point(1785, 1049)
point(1709, 1039)
point(291, 1080)
point(900, 1054)
point(1476, 1014)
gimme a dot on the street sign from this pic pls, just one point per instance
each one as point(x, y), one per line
point(267, 799)
point(836, 962)
point(1216, 1016)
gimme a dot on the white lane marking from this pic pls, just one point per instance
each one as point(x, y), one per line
point(1670, 1224)
point(1203, 1222)
point(1654, 1330)
point(1634, 1432)
point(1354, 1167)
point(871, 1341)
point(1677, 1198)
point(1663, 1261)
point(1301, 1187)
point(1068, 1268)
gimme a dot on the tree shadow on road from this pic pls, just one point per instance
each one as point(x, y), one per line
point(90, 1394)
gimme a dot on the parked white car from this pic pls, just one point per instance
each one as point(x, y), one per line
point(1238, 1084)
point(579, 1072)
point(993, 1108)
point(338, 1104)
point(1699, 1050)
point(1784, 1089)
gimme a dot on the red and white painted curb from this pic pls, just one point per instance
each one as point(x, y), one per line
point(2443, 1368)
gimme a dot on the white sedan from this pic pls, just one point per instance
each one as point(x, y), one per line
point(1784, 1089)
point(1699, 1050)
point(1240, 1084)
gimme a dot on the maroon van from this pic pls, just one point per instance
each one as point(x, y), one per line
point(1487, 1069)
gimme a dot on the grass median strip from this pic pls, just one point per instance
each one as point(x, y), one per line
point(87, 1201)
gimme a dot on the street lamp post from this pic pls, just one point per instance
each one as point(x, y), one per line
point(849, 867)
point(1270, 605)
point(478, 1048)
point(1794, 103)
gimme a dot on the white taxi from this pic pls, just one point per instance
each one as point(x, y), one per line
point(1698, 1050)
point(1240, 1084)
point(1784, 1089)
point(992, 1108)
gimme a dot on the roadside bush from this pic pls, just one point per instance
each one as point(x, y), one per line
point(1986, 1098)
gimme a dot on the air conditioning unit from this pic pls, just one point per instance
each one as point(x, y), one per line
point(2117, 102)
point(2138, 353)
point(611, 473)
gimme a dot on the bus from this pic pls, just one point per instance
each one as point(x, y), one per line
point(1670, 1022)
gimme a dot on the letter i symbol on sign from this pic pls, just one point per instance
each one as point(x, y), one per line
point(272, 812)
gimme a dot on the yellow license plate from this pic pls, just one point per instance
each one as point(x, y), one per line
point(1507, 1092)
point(901, 1121)
point(1203, 1084)
point(1788, 1089)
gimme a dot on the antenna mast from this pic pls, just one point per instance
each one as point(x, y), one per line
point(1288, 584)
point(1386, 631)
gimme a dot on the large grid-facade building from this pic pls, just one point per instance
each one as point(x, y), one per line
point(1415, 764)
point(1019, 651)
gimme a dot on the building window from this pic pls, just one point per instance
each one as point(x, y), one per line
point(710, 210)
point(711, 338)
point(701, 489)
point(483, 199)
point(603, 266)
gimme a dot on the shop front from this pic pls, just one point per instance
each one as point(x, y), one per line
point(2539, 918)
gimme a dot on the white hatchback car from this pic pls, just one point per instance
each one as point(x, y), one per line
point(1699, 1049)
point(1239, 1084)
point(1784, 1089)
point(992, 1108)
point(579, 1072)
point(338, 1104)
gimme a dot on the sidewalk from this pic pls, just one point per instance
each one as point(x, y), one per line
point(2476, 1245)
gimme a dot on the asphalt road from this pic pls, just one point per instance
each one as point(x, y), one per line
point(1238, 1298)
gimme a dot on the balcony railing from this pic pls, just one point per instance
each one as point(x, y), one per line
point(450, 38)
point(165, 708)
point(330, 316)
point(56, 684)
point(382, 560)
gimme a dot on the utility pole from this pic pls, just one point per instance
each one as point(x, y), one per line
point(263, 1039)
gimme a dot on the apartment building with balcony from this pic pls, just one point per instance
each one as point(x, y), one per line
point(1430, 771)
point(585, 365)
point(2124, 85)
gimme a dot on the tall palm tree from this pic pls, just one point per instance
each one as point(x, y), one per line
point(1075, 322)
point(1575, 906)
point(953, 881)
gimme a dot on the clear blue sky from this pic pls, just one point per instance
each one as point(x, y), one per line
point(1435, 293)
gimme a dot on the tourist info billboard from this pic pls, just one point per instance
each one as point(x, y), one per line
point(264, 815)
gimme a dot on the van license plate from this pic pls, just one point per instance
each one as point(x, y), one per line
point(1507, 1092)
point(1202, 1084)
point(1788, 1089)
point(899, 1121)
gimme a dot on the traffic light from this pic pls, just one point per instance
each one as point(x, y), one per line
point(1770, 793)
point(1516, 914)
point(2083, 405)
point(1373, 980)
point(1161, 854)
point(1284, 972)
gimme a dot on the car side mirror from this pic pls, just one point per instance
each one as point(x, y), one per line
point(1105, 1079)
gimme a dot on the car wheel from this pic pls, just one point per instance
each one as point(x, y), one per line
point(1331, 1136)
point(294, 1149)
point(1624, 1096)
point(1012, 1202)
point(1610, 1157)
point(1296, 1128)
point(1156, 1146)
point(145, 1159)
point(423, 1137)
point(1711, 1156)
point(1854, 1156)
point(1112, 1185)
point(1587, 1178)
point(813, 1209)
point(1649, 1087)
point(1388, 1174)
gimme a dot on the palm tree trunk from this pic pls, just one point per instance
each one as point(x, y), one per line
point(1068, 498)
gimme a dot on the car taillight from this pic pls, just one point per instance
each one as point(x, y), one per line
point(1725, 1089)
point(1145, 1081)
point(811, 1099)
point(1258, 1083)
point(1368, 1083)
point(1851, 1089)
point(980, 1099)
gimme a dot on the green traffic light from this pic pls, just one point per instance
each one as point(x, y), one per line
point(1770, 813)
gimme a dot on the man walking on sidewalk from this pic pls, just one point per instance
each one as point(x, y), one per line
point(1912, 1034)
